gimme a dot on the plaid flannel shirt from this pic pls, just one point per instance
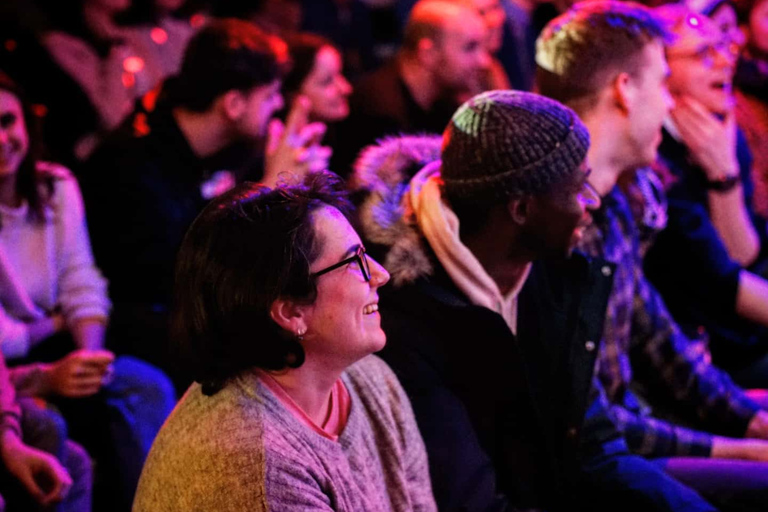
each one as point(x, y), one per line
point(641, 336)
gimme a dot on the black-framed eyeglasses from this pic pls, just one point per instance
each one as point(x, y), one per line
point(359, 257)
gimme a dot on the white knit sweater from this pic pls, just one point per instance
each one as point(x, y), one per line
point(44, 266)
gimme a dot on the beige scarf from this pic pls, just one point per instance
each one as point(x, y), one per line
point(440, 227)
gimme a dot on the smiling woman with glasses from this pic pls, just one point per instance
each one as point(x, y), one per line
point(276, 319)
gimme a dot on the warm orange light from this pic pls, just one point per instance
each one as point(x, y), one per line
point(129, 80)
point(158, 35)
point(197, 20)
point(39, 110)
point(133, 64)
point(140, 125)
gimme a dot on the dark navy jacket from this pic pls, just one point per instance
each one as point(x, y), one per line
point(503, 415)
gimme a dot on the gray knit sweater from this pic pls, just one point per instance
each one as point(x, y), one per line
point(241, 450)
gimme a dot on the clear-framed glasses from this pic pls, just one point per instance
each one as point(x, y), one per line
point(706, 54)
point(359, 257)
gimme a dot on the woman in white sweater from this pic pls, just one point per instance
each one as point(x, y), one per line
point(54, 309)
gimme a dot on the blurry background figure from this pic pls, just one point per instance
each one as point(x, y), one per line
point(157, 36)
point(54, 309)
point(514, 26)
point(702, 129)
point(89, 46)
point(77, 46)
point(317, 75)
point(443, 57)
point(713, 230)
point(494, 16)
point(751, 83)
point(148, 181)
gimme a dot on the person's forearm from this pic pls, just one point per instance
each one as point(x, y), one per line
point(732, 221)
point(88, 333)
point(744, 449)
point(752, 298)
point(43, 328)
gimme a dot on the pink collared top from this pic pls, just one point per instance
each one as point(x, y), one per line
point(338, 412)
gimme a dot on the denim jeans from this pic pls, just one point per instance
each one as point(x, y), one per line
point(118, 425)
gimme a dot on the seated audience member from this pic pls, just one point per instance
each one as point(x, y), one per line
point(54, 299)
point(751, 87)
point(702, 148)
point(316, 74)
point(68, 112)
point(494, 16)
point(485, 296)
point(277, 315)
point(443, 56)
point(148, 181)
point(713, 230)
point(725, 457)
point(88, 45)
point(30, 478)
point(157, 37)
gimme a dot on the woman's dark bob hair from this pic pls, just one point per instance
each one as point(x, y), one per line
point(247, 248)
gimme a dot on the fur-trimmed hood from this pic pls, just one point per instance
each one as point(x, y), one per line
point(382, 175)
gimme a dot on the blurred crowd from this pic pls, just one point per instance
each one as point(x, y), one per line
point(569, 204)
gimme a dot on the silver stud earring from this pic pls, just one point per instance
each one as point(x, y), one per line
point(300, 334)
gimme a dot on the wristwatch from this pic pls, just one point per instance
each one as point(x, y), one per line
point(723, 184)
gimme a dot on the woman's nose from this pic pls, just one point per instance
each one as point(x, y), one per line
point(379, 275)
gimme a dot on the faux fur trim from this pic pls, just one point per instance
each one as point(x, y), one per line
point(382, 173)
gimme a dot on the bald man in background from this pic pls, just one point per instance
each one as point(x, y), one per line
point(444, 56)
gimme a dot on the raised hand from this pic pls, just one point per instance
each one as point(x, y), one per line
point(711, 141)
point(294, 149)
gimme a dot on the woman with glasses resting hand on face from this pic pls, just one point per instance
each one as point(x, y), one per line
point(277, 318)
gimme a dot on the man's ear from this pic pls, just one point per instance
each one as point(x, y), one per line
point(232, 104)
point(426, 51)
point(289, 315)
point(624, 92)
point(519, 210)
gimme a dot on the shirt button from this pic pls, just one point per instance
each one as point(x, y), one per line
point(606, 270)
point(590, 346)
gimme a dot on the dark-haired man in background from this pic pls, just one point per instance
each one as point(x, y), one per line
point(149, 180)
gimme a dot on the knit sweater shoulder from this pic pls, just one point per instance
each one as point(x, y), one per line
point(241, 449)
point(47, 265)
